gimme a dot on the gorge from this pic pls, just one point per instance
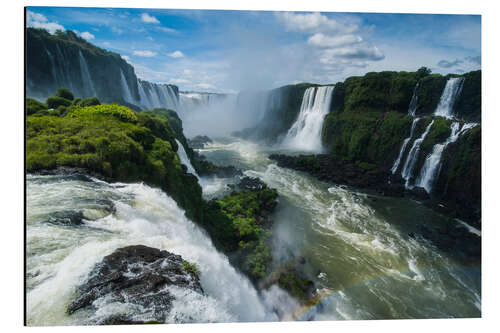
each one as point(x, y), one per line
point(358, 199)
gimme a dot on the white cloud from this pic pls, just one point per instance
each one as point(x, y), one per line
point(149, 19)
point(321, 40)
point(165, 29)
point(176, 54)
point(313, 22)
point(36, 20)
point(127, 58)
point(87, 35)
point(150, 38)
point(144, 53)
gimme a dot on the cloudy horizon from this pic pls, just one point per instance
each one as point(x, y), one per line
point(230, 51)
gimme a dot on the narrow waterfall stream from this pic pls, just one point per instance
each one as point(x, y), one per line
point(430, 171)
point(411, 159)
point(448, 97)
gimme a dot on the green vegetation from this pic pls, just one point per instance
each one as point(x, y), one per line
point(86, 101)
point(65, 93)
point(116, 142)
point(238, 223)
point(370, 137)
point(54, 102)
point(438, 133)
point(468, 105)
point(429, 92)
point(33, 106)
point(290, 280)
point(190, 267)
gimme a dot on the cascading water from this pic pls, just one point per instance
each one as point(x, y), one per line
point(403, 147)
point(305, 133)
point(412, 157)
point(448, 97)
point(181, 152)
point(432, 166)
point(59, 256)
point(127, 95)
point(412, 108)
point(87, 82)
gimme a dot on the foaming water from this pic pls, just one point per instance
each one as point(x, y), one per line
point(369, 266)
point(60, 256)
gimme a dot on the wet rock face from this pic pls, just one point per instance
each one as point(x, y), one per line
point(249, 184)
point(199, 141)
point(136, 275)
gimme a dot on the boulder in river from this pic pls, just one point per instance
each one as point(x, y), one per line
point(139, 276)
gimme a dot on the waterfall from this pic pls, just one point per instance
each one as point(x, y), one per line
point(127, 96)
point(86, 78)
point(412, 108)
point(432, 167)
point(53, 67)
point(65, 69)
point(185, 159)
point(403, 147)
point(145, 101)
point(448, 97)
point(305, 133)
point(412, 157)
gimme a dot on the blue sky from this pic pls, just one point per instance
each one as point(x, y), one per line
point(229, 51)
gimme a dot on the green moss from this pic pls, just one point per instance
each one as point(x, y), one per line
point(438, 133)
point(190, 267)
point(117, 111)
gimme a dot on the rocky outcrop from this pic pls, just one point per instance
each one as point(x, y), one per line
point(326, 168)
point(137, 275)
point(199, 141)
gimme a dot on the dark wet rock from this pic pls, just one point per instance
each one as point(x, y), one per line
point(418, 193)
point(453, 239)
point(199, 141)
point(66, 217)
point(73, 173)
point(358, 175)
point(249, 184)
point(137, 275)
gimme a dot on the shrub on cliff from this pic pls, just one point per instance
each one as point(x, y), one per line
point(117, 111)
point(55, 101)
point(33, 106)
point(239, 222)
point(65, 93)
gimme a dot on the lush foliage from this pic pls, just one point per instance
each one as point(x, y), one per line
point(54, 102)
point(33, 106)
point(117, 111)
point(238, 222)
point(468, 105)
point(64, 93)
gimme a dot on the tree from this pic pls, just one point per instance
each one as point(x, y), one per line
point(423, 72)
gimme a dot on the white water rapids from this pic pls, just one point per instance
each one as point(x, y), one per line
point(60, 256)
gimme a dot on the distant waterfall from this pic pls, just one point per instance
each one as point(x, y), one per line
point(412, 157)
point(86, 78)
point(448, 97)
point(64, 66)
point(157, 95)
point(185, 159)
point(432, 167)
point(305, 133)
point(412, 108)
point(127, 95)
point(403, 147)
